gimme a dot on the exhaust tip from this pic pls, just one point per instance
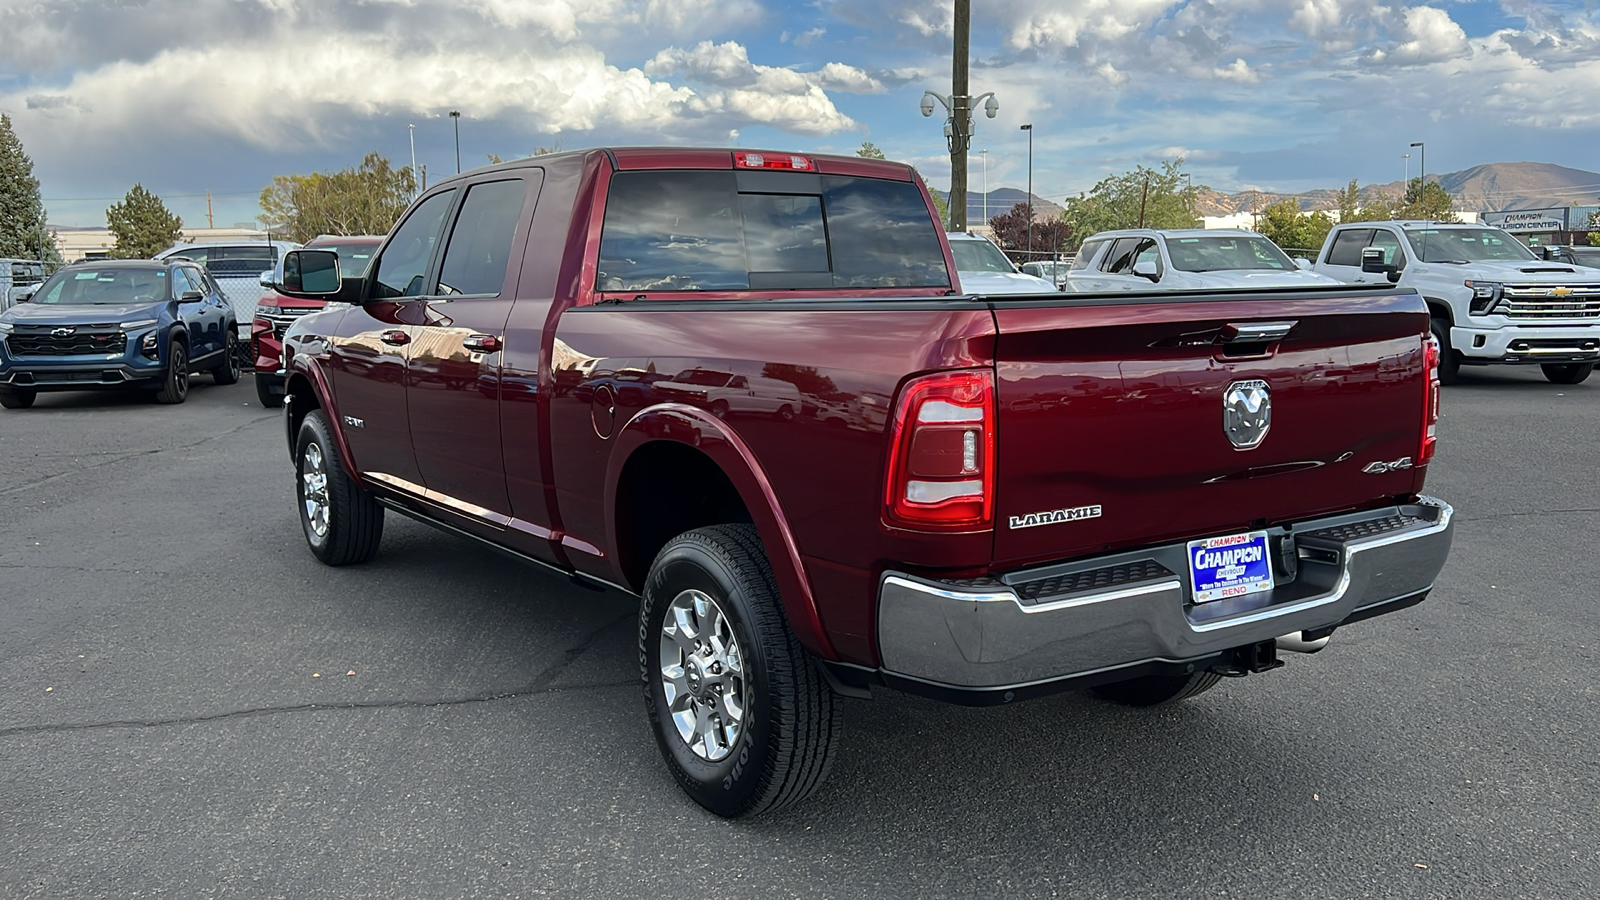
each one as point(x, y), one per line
point(1297, 643)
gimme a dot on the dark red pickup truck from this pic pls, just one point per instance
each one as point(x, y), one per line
point(747, 388)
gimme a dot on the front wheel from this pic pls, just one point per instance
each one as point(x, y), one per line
point(227, 371)
point(743, 719)
point(343, 523)
point(175, 383)
point(1449, 362)
point(1567, 373)
point(12, 398)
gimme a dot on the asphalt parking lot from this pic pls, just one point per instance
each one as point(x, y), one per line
point(192, 706)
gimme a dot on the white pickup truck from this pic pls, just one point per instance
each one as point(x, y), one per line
point(1492, 300)
point(1150, 259)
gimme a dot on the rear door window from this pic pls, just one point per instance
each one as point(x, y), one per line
point(1347, 247)
point(477, 255)
point(716, 231)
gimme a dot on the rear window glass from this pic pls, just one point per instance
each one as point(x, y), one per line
point(697, 231)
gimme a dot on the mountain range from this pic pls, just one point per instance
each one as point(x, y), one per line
point(1487, 188)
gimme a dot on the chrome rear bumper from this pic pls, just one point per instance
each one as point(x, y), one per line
point(1093, 617)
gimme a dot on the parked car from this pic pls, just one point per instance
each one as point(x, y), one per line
point(982, 268)
point(1143, 495)
point(1578, 256)
point(1053, 271)
point(127, 324)
point(274, 312)
point(726, 393)
point(1491, 299)
point(1148, 259)
point(236, 268)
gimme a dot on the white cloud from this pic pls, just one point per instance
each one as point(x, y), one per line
point(1239, 71)
point(805, 39)
point(1426, 35)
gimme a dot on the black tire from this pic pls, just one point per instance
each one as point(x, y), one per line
point(791, 718)
point(13, 398)
point(1449, 361)
point(266, 395)
point(227, 371)
point(1567, 373)
point(354, 525)
point(786, 413)
point(719, 408)
point(1154, 690)
point(175, 383)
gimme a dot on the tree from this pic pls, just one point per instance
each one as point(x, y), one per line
point(1285, 225)
point(363, 200)
point(1011, 233)
point(1426, 201)
point(22, 215)
point(1116, 202)
point(869, 150)
point(142, 225)
point(1594, 229)
point(1353, 208)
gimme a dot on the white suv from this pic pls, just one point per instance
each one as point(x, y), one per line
point(982, 268)
point(1491, 298)
point(1149, 259)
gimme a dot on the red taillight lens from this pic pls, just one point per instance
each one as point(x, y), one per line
point(941, 453)
point(775, 161)
point(1430, 400)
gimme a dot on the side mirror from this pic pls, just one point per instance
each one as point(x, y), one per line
point(312, 273)
point(266, 279)
point(23, 295)
point(1303, 265)
point(1146, 268)
point(1372, 261)
point(191, 297)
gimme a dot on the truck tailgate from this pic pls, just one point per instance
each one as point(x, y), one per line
point(1113, 413)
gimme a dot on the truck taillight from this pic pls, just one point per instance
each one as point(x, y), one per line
point(941, 453)
point(775, 161)
point(1430, 400)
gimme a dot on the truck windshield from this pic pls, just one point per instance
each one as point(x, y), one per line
point(1209, 254)
point(353, 258)
point(979, 256)
point(1464, 245)
point(717, 231)
point(108, 285)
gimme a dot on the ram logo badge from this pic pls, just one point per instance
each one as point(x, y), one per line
point(1246, 412)
point(1051, 517)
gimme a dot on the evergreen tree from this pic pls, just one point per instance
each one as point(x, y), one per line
point(22, 219)
point(142, 225)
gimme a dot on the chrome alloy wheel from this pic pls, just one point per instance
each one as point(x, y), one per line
point(702, 675)
point(314, 489)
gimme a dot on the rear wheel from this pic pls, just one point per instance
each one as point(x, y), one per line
point(175, 384)
point(1567, 373)
point(343, 524)
point(719, 408)
point(12, 398)
point(1154, 690)
point(743, 719)
point(1449, 362)
point(264, 392)
point(227, 371)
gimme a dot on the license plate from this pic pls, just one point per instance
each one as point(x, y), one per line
point(1229, 566)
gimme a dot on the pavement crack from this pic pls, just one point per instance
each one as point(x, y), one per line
point(122, 457)
point(543, 683)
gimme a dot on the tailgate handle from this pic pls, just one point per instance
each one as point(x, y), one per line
point(1255, 332)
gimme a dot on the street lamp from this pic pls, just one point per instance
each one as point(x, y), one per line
point(1029, 129)
point(1407, 158)
point(1422, 161)
point(985, 155)
point(958, 134)
point(455, 114)
point(412, 129)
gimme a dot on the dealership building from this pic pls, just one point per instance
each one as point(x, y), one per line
point(1560, 226)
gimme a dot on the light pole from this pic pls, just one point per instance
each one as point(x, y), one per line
point(413, 132)
point(1188, 194)
point(1422, 161)
point(455, 114)
point(958, 134)
point(1407, 162)
point(1029, 129)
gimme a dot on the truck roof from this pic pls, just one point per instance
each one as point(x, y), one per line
point(1172, 233)
point(632, 158)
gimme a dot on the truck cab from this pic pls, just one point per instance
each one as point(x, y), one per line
point(1492, 301)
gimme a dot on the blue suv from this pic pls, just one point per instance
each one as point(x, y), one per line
point(117, 324)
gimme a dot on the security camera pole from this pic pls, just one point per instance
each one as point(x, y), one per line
point(958, 127)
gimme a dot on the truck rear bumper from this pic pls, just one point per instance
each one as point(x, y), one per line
point(1111, 617)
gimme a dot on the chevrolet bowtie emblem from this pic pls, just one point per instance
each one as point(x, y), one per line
point(1560, 292)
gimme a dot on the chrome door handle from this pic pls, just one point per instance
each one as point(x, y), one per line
point(483, 343)
point(395, 337)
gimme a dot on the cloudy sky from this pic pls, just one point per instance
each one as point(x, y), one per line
point(190, 96)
